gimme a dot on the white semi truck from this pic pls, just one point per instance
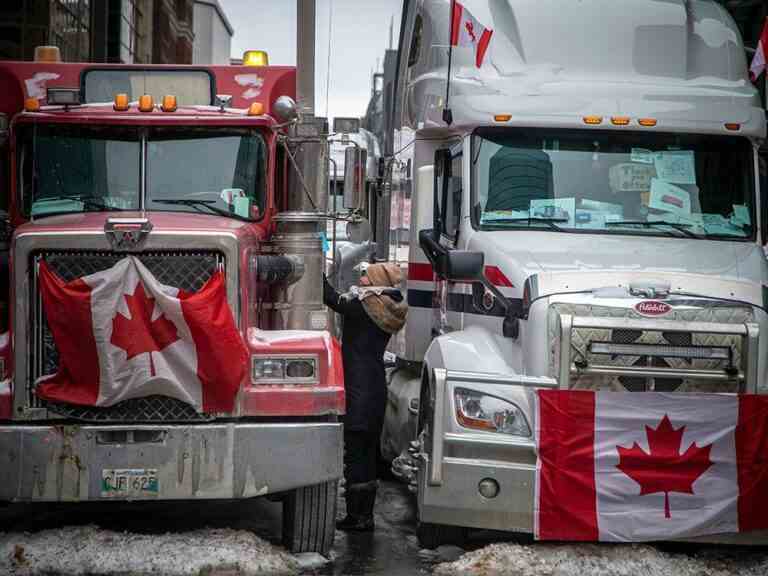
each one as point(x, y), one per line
point(600, 183)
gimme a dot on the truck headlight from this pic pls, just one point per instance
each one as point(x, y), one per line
point(479, 411)
point(284, 370)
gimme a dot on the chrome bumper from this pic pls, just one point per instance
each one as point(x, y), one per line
point(209, 461)
point(448, 486)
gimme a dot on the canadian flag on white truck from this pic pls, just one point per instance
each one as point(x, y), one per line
point(760, 58)
point(121, 334)
point(466, 30)
point(624, 466)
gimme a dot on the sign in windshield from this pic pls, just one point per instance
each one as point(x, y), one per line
point(610, 182)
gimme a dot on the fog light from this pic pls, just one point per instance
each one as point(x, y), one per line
point(488, 488)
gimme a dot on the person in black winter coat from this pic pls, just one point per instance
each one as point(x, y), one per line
point(372, 312)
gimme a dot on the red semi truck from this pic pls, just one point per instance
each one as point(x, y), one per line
point(191, 171)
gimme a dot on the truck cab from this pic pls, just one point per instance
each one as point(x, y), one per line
point(185, 169)
point(589, 217)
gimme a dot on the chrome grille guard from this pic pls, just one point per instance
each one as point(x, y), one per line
point(745, 375)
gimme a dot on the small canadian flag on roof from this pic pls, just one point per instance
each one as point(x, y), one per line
point(466, 30)
point(761, 55)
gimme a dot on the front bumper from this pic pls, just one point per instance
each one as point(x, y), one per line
point(457, 501)
point(453, 464)
point(207, 461)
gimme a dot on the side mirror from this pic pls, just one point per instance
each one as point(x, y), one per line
point(346, 125)
point(355, 161)
point(465, 265)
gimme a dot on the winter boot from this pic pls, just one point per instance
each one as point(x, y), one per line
point(360, 500)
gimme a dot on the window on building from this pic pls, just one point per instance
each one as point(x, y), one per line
point(70, 27)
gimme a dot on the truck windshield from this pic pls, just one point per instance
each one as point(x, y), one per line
point(68, 168)
point(613, 183)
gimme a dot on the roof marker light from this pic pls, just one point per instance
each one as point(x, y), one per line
point(47, 54)
point(593, 119)
point(620, 120)
point(256, 109)
point(146, 104)
point(255, 58)
point(121, 103)
point(169, 103)
point(733, 126)
point(647, 122)
point(32, 105)
point(503, 117)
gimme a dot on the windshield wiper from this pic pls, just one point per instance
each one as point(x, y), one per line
point(199, 204)
point(88, 201)
point(679, 226)
point(544, 220)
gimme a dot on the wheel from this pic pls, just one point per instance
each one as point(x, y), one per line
point(431, 536)
point(309, 518)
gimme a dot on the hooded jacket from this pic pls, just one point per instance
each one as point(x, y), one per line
point(371, 315)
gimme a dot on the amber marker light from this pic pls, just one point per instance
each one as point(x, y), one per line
point(121, 102)
point(593, 119)
point(619, 120)
point(648, 122)
point(146, 104)
point(733, 126)
point(169, 103)
point(32, 105)
point(256, 109)
point(48, 54)
point(255, 58)
point(503, 117)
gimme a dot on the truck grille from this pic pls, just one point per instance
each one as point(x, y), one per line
point(187, 271)
point(581, 338)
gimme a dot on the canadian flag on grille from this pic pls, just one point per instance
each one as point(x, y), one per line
point(629, 466)
point(467, 31)
point(760, 59)
point(121, 334)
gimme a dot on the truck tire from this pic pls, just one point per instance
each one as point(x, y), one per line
point(309, 518)
point(432, 536)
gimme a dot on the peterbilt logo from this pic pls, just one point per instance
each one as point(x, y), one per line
point(653, 308)
point(126, 234)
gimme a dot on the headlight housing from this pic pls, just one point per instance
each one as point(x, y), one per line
point(284, 370)
point(478, 411)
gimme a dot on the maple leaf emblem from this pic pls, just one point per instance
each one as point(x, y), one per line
point(139, 334)
point(664, 469)
point(471, 31)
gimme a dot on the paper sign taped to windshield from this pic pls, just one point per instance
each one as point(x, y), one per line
point(641, 155)
point(628, 177)
point(564, 208)
point(677, 167)
point(669, 198)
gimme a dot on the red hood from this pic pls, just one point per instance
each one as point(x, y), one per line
point(166, 221)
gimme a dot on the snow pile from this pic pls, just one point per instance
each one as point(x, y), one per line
point(603, 560)
point(91, 550)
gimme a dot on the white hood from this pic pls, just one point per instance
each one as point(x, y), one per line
point(585, 261)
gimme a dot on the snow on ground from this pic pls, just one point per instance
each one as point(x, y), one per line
point(91, 550)
point(604, 560)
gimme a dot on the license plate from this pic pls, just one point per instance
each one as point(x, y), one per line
point(129, 483)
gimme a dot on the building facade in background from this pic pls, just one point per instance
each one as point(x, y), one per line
point(122, 31)
point(213, 33)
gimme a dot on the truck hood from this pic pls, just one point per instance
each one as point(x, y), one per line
point(595, 261)
point(166, 221)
